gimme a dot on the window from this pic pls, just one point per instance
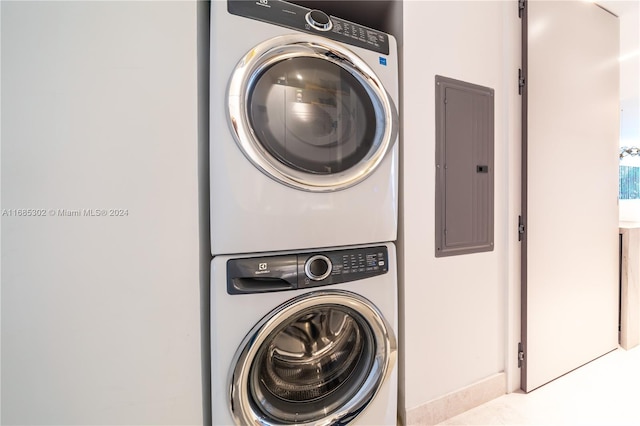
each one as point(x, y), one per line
point(629, 188)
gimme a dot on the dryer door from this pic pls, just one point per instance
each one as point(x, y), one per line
point(317, 359)
point(310, 113)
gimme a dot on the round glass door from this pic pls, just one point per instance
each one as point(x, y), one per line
point(310, 113)
point(318, 359)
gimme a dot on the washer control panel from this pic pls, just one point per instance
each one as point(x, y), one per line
point(304, 270)
point(312, 21)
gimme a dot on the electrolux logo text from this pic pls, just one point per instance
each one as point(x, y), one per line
point(263, 268)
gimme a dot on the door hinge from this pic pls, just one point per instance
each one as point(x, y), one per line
point(520, 227)
point(521, 6)
point(521, 81)
point(520, 355)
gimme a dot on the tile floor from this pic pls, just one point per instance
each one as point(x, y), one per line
point(604, 392)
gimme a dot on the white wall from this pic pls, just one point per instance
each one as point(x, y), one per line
point(456, 308)
point(100, 315)
point(630, 77)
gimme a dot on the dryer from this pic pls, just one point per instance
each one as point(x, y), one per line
point(305, 338)
point(303, 129)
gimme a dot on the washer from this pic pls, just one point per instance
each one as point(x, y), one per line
point(305, 338)
point(303, 129)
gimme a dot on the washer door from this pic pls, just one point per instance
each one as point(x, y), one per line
point(317, 359)
point(310, 113)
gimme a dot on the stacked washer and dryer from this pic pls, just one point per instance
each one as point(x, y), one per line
point(303, 160)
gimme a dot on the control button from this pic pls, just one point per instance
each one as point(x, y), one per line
point(319, 20)
point(318, 267)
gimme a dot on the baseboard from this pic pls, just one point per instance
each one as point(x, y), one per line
point(454, 403)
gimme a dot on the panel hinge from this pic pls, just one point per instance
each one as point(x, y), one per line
point(520, 355)
point(520, 227)
point(521, 81)
point(521, 6)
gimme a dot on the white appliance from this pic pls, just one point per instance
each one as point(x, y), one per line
point(305, 337)
point(303, 130)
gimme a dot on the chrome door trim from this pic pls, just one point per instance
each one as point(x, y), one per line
point(277, 49)
point(241, 405)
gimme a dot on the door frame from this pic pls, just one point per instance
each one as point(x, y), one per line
point(522, 225)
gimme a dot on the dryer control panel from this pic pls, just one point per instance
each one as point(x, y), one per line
point(304, 270)
point(311, 21)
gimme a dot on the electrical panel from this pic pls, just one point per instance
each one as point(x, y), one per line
point(464, 167)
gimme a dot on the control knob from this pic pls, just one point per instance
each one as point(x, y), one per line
point(318, 267)
point(319, 20)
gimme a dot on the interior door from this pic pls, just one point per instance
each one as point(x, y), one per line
point(570, 174)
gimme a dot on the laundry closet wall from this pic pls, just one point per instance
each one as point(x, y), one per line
point(100, 315)
point(455, 310)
